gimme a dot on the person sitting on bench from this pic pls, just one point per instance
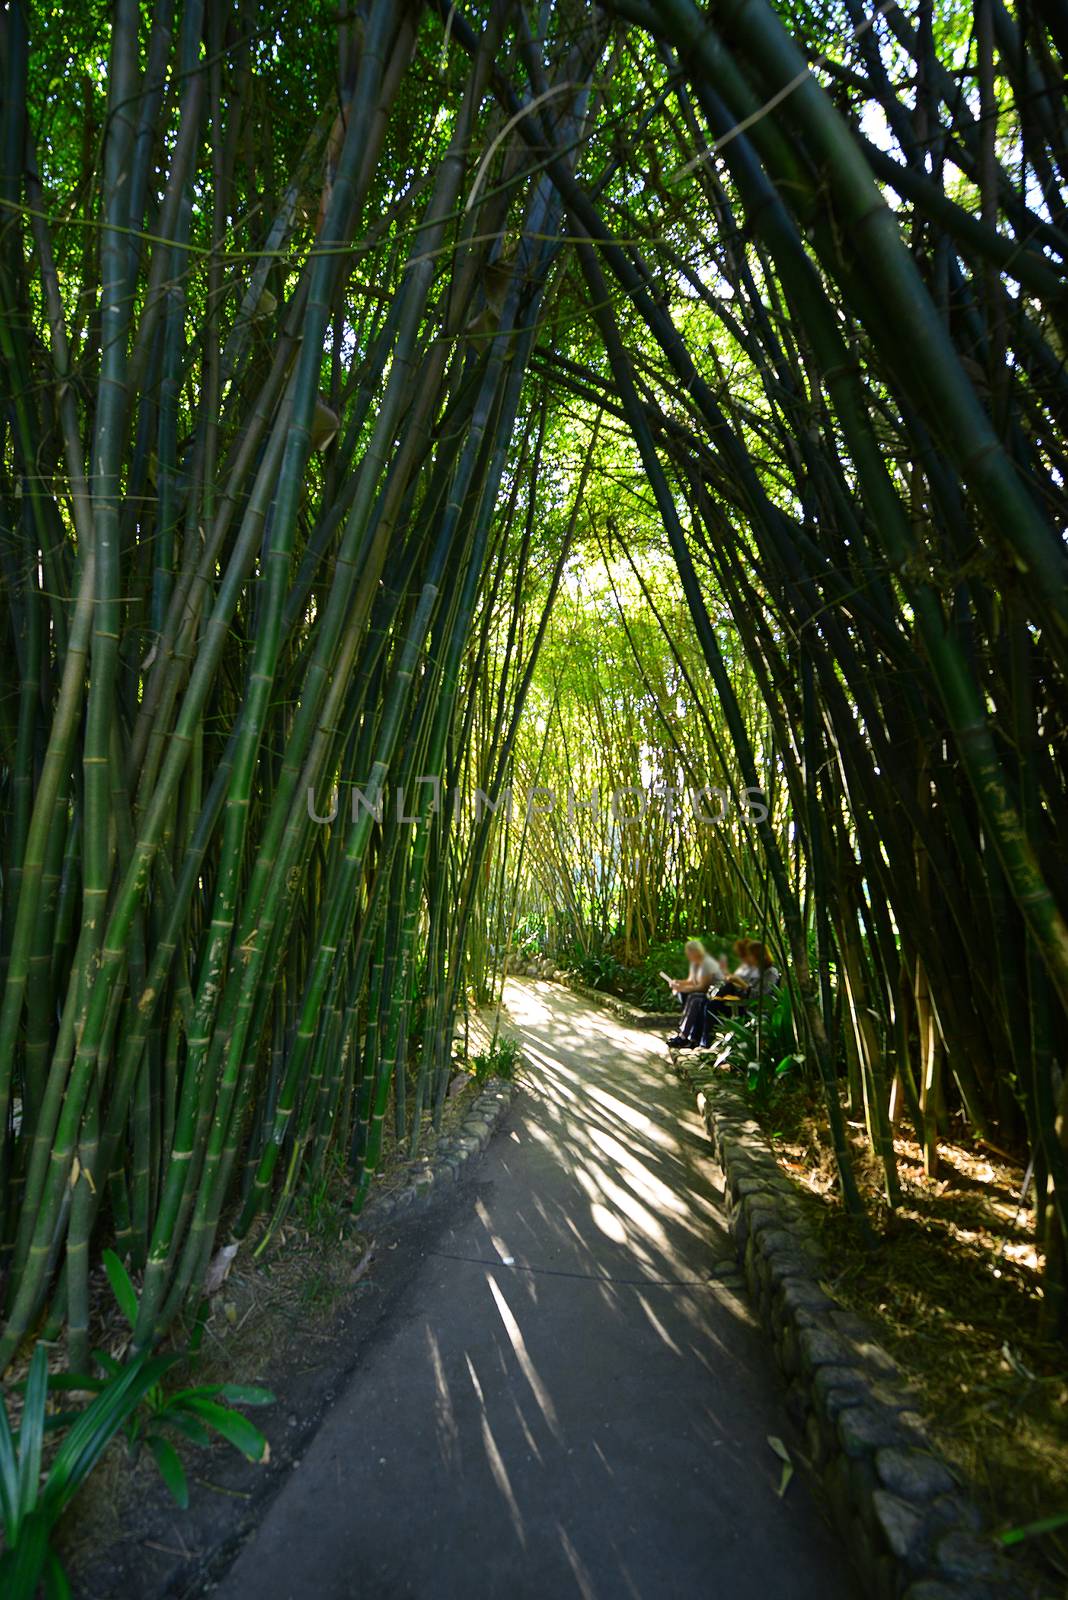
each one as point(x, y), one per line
point(766, 976)
point(705, 974)
point(754, 978)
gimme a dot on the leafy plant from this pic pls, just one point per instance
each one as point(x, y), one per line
point(31, 1509)
point(735, 1046)
point(195, 1413)
point(499, 1061)
point(653, 995)
point(1031, 1530)
point(777, 1035)
point(599, 969)
point(759, 1044)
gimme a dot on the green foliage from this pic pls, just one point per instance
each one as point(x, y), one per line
point(641, 982)
point(531, 933)
point(1032, 1530)
point(599, 969)
point(774, 1025)
point(759, 1045)
point(121, 1286)
point(193, 1413)
point(499, 1061)
point(734, 1047)
point(31, 1509)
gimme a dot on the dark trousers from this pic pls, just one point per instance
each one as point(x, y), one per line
point(692, 1025)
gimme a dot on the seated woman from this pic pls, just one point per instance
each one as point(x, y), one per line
point(754, 978)
point(705, 973)
point(766, 976)
point(740, 978)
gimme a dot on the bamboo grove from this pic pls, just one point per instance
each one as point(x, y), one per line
point(322, 334)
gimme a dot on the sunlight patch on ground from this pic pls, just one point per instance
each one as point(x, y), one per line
point(555, 1068)
point(444, 1415)
point(524, 1428)
point(632, 1116)
point(639, 1120)
point(496, 1461)
point(657, 1326)
point(608, 1223)
point(600, 1187)
point(577, 1565)
point(644, 1173)
point(525, 1005)
point(498, 1243)
point(648, 1185)
point(522, 1355)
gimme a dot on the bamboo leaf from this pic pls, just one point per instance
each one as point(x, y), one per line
point(23, 1566)
point(10, 1503)
point(188, 1426)
point(56, 1583)
point(97, 1426)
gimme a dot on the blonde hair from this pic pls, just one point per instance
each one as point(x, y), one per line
point(695, 944)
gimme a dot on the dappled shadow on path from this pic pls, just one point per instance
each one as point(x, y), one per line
point(630, 1140)
point(570, 1402)
point(612, 1375)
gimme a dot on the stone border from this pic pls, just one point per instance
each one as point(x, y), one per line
point(911, 1528)
point(611, 1002)
point(532, 966)
point(452, 1157)
point(634, 1016)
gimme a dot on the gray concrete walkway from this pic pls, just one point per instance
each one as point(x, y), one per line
point(566, 1403)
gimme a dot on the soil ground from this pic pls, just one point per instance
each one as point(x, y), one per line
point(292, 1320)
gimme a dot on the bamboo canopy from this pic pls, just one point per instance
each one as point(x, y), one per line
point(333, 346)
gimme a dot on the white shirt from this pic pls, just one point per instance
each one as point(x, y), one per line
point(708, 968)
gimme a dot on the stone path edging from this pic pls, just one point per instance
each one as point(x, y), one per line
point(912, 1530)
point(634, 1016)
point(611, 1002)
point(451, 1158)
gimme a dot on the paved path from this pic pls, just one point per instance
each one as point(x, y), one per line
point(564, 1404)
